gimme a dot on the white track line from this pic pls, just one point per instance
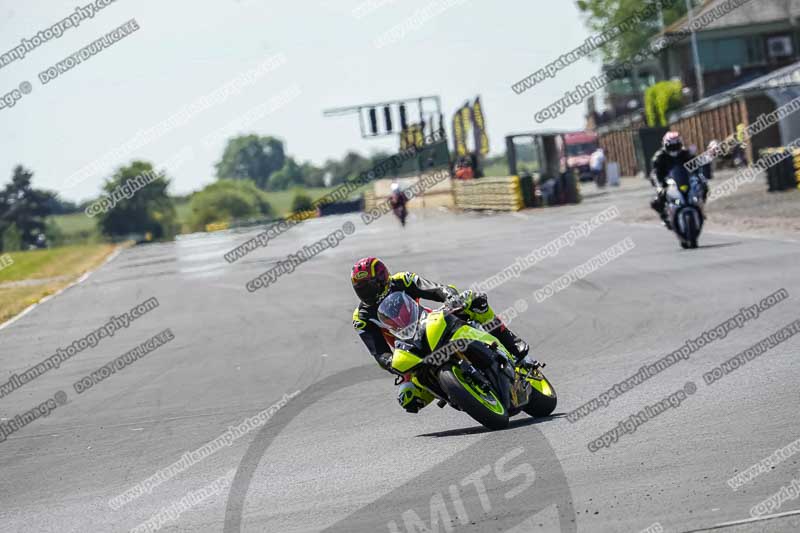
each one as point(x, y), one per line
point(746, 521)
point(81, 279)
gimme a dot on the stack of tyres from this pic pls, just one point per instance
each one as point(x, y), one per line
point(494, 194)
point(370, 201)
point(797, 168)
point(526, 185)
point(570, 191)
point(784, 175)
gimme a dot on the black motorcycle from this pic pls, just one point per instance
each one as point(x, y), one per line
point(685, 196)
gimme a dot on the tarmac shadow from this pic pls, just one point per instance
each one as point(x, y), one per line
point(720, 245)
point(515, 423)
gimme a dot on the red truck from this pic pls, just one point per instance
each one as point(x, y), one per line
point(578, 150)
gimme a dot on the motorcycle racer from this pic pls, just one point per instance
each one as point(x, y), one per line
point(671, 154)
point(372, 282)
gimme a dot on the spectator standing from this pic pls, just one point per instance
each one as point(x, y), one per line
point(597, 164)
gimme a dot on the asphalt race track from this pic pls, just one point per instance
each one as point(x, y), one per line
point(341, 455)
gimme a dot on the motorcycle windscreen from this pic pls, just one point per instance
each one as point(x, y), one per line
point(399, 313)
point(680, 175)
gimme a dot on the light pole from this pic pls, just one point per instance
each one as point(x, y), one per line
point(698, 69)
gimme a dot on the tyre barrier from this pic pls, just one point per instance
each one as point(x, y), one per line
point(784, 175)
point(797, 167)
point(495, 194)
point(340, 208)
point(370, 200)
point(217, 226)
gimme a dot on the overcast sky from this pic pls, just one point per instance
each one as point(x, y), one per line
point(328, 57)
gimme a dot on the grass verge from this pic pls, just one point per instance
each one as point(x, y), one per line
point(39, 273)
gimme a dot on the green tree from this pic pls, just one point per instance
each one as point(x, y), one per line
point(313, 176)
point(661, 99)
point(251, 157)
point(350, 166)
point(603, 15)
point(57, 206)
point(23, 210)
point(290, 174)
point(228, 200)
point(354, 164)
point(147, 210)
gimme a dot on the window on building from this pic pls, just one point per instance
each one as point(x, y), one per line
point(780, 47)
point(721, 54)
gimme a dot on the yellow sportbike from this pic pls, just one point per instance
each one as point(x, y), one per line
point(462, 365)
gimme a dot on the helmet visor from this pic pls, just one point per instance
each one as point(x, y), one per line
point(399, 314)
point(673, 147)
point(370, 291)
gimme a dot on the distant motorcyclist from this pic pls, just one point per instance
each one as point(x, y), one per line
point(398, 201)
point(671, 154)
point(372, 282)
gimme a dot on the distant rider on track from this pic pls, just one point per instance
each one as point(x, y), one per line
point(671, 154)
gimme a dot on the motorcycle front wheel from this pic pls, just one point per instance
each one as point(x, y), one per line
point(543, 396)
point(482, 405)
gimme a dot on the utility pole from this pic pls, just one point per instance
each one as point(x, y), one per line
point(698, 69)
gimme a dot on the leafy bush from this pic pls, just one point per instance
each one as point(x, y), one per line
point(227, 200)
point(11, 239)
point(302, 202)
point(661, 99)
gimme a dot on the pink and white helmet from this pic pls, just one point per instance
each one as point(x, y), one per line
point(673, 143)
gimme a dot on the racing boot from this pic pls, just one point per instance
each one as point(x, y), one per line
point(517, 347)
point(659, 206)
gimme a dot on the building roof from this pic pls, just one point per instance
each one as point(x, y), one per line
point(751, 13)
point(786, 77)
point(789, 75)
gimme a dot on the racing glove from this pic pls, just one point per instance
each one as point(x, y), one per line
point(385, 360)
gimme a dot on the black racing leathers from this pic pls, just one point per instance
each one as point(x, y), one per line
point(663, 163)
point(365, 316)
